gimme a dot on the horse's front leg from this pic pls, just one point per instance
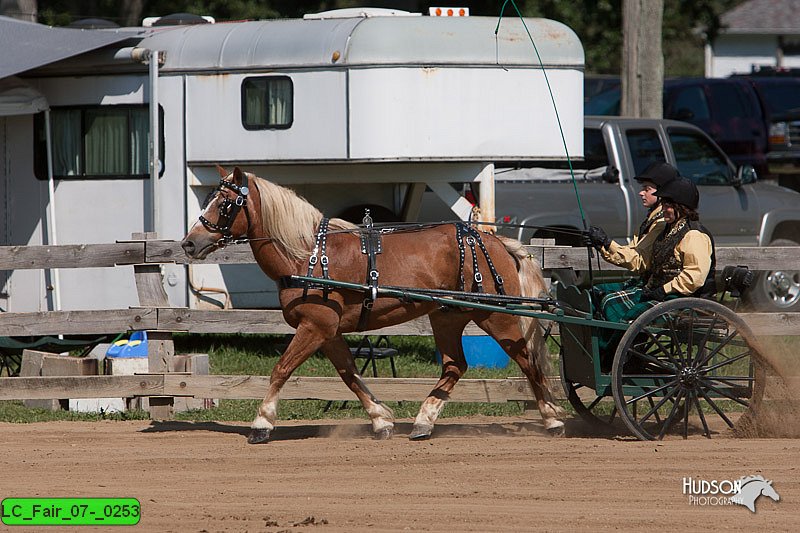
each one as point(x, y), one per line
point(447, 329)
point(337, 351)
point(305, 342)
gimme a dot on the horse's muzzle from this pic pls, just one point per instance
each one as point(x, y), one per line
point(189, 247)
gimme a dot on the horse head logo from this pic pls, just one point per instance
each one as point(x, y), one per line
point(752, 488)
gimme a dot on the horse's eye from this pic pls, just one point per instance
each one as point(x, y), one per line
point(209, 197)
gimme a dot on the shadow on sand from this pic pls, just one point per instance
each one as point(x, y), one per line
point(338, 429)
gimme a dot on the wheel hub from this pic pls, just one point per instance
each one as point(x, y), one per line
point(689, 377)
point(783, 288)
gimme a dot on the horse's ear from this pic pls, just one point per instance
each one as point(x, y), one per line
point(238, 175)
point(222, 172)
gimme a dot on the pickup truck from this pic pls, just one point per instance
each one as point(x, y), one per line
point(737, 208)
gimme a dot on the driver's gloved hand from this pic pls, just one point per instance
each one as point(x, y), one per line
point(656, 294)
point(595, 236)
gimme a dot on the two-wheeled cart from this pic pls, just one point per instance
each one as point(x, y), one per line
point(687, 366)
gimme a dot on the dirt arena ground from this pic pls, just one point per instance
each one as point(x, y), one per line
point(476, 474)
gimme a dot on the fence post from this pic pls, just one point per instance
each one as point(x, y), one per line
point(150, 288)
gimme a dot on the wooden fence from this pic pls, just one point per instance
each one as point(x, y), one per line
point(160, 319)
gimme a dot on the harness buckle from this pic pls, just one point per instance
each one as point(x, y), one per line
point(324, 260)
point(373, 275)
point(240, 200)
point(478, 277)
point(368, 303)
point(471, 240)
point(312, 260)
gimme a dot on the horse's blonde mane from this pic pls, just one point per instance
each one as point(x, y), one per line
point(289, 219)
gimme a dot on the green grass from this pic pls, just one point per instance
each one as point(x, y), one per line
point(257, 354)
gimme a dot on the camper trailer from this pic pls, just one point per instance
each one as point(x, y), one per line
point(353, 109)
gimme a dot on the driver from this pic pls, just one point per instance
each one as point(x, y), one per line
point(680, 262)
point(655, 176)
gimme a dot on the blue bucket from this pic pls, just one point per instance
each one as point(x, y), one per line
point(481, 351)
point(135, 346)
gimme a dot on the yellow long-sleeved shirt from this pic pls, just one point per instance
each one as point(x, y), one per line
point(623, 254)
point(693, 252)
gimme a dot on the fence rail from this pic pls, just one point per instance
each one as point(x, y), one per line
point(157, 316)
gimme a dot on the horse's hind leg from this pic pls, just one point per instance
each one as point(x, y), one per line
point(447, 329)
point(306, 341)
point(506, 330)
point(382, 417)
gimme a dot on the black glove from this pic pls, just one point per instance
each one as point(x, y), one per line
point(596, 237)
point(656, 294)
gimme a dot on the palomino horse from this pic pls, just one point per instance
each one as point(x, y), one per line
point(282, 229)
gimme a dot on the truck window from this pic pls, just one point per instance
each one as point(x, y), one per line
point(267, 103)
point(96, 142)
point(645, 148)
point(698, 159)
point(729, 103)
point(691, 99)
point(595, 154)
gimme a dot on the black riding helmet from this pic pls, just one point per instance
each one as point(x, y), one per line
point(659, 173)
point(680, 191)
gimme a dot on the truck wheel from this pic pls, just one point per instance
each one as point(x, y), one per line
point(775, 290)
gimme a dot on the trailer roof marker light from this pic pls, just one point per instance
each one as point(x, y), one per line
point(448, 11)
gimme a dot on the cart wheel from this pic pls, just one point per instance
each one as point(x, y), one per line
point(687, 366)
point(599, 414)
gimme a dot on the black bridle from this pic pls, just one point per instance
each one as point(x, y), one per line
point(228, 211)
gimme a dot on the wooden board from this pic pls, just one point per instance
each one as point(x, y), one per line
point(269, 321)
point(255, 387)
point(80, 387)
point(77, 322)
point(171, 252)
point(769, 258)
point(71, 255)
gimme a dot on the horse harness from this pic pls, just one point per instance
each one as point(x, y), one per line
point(372, 245)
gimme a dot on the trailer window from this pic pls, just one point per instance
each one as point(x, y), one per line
point(267, 103)
point(96, 142)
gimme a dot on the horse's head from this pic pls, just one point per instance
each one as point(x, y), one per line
point(769, 491)
point(225, 216)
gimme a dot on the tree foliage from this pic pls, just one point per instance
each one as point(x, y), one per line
point(598, 23)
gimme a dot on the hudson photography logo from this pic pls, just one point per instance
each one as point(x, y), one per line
point(743, 491)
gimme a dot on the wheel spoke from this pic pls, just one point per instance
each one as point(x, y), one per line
point(652, 405)
point(726, 361)
point(671, 415)
point(689, 340)
point(686, 402)
point(706, 431)
point(654, 409)
point(716, 408)
point(721, 392)
point(650, 359)
point(661, 348)
point(652, 392)
point(594, 403)
point(718, 347)
point(706, 336)
point(675, 342)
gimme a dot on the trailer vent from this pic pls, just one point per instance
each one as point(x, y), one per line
point(177, 19)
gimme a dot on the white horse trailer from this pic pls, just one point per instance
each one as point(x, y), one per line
point(350, 109)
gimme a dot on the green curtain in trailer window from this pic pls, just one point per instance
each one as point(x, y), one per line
point(97, 141)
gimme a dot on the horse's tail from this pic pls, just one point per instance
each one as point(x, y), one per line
point(532, 285)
